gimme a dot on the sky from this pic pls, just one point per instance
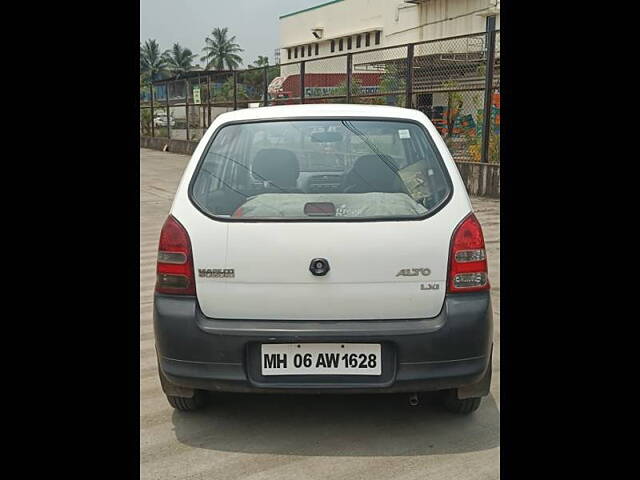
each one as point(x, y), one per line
point(188, 22)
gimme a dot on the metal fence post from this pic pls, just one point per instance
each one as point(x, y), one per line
point(486, 116)
point(235, 90)
point(209, 96)
point(302, 69)
point(349, 75)
point(409, 87)
point(200, 106)
point(265, 90)
point(168, 111)
point(186, 104)
point(153, 132)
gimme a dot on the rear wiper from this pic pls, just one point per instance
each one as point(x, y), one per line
point(373, 148)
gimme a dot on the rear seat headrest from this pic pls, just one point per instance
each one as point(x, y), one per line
point(278, 166)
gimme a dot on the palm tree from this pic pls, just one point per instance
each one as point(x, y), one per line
point(152, 62)
point(220, 50)
point(179, 59)
point(260, 62)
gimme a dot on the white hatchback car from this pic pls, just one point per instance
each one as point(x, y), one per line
point(323, 249)
point(160, 120)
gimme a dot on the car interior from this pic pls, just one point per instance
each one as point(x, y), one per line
point(316, 160)
point(277, 170)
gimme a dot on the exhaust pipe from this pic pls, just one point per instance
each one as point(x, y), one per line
point(413, 399)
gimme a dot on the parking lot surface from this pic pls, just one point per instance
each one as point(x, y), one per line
point(312, 437)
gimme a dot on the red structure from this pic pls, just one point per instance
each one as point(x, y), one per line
point(325, 84)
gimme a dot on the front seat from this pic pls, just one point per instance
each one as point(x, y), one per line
point(279, 168)
point(373, 173)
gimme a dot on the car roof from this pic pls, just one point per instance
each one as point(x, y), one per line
point(328, 110)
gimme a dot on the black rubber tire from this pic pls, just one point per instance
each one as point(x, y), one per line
point(465, 406)
point(187, 404)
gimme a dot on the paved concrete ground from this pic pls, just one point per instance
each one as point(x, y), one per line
point(291, 437)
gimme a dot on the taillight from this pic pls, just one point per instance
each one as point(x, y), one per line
point(174, 272)
point(468, 258)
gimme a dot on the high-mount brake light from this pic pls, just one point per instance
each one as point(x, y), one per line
point(468, 258)
point(174, 272)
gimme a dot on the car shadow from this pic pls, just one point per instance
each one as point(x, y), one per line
point(336, 425)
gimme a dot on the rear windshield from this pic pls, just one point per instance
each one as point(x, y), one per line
point(321, 170)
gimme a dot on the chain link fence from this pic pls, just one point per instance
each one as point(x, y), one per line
point(449, 79)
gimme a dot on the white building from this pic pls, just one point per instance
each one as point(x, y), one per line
point(342, 26)
point(321, 36)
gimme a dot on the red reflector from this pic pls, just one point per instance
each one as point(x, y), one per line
point(174, 272)
point(468, 261)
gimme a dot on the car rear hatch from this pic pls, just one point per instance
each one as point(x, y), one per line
point(384, 227)
point(378, 270)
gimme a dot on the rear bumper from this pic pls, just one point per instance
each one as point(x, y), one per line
point(451, 350)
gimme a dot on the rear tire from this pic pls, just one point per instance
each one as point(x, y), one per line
point(459, 406)
point(184, 404)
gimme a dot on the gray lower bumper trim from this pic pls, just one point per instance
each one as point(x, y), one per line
point(447, 351)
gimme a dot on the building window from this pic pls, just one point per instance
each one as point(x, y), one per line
point(333, 46)
point(295, 52)
point(317, 49)
point(309, 51)
point(302, 51)
point(378, 37)
point(349, 43)
point(358, 41)
point(340, 44)
point(289, 53)
point(367, 39)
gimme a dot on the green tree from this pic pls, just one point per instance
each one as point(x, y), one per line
point(341, 88)
point(220, 50)
point(260, 62)
point(393, 80)
point(144, 82)
point(454, 107)
point(145, 121)
point(145, 113)
point(226, 91)
point(153, 64)
point(179, 59)
point(253, 78)
point(476, 139)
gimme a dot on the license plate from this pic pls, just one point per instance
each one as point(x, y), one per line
point(321, 359)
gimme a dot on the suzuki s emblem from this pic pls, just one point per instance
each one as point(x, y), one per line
point(413, 272)
point(319, 266)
